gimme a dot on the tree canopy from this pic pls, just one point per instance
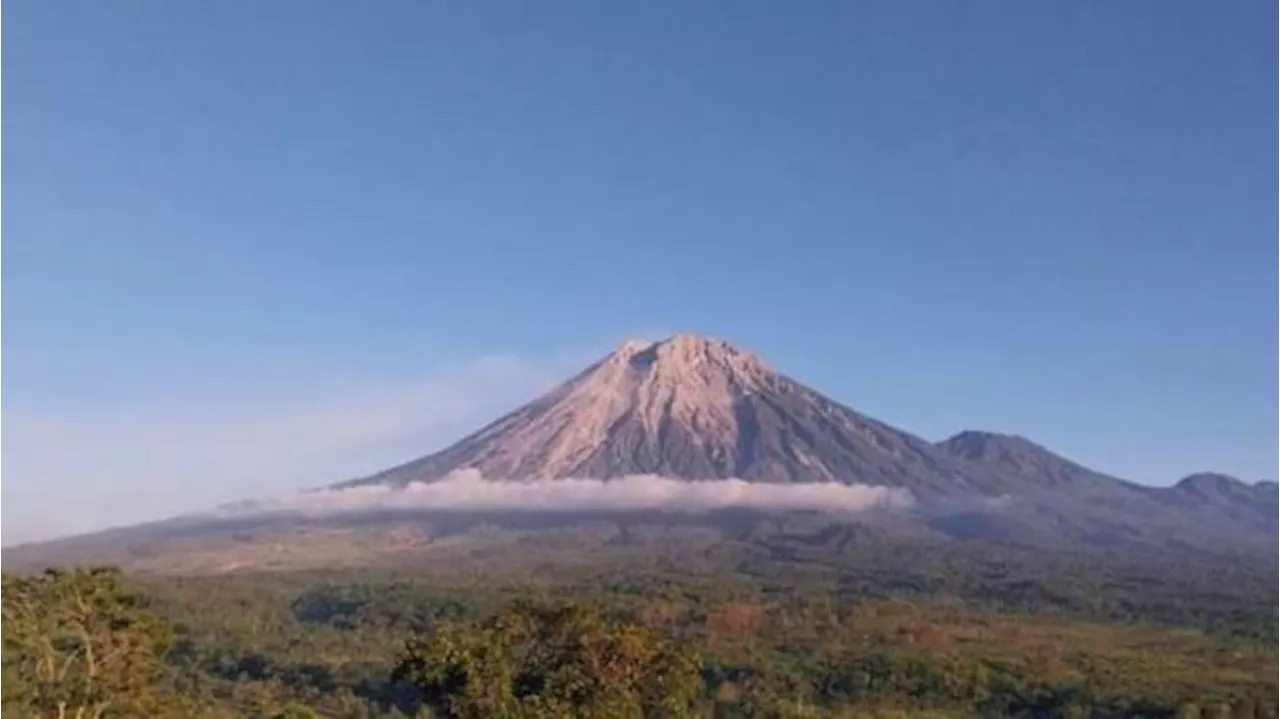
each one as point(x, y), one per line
point(541, 661)
point(79, 644)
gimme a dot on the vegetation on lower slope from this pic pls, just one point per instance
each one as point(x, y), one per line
point(779, 628)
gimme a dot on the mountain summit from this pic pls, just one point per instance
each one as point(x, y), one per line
point(691, 407)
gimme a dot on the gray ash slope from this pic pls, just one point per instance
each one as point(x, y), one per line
point(695, 408)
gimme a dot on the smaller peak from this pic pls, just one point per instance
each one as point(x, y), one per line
point(637, 353)
point(1210, 480)
point(1214, 486)
point(971, 435)
point(633, 347)
point(974, 437)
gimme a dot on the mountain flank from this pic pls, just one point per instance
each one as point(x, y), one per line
point(695, 408)
point(698, 409)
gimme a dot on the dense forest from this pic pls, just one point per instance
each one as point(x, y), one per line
point(779, 628)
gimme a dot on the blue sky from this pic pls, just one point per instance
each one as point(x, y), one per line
point(257, 246)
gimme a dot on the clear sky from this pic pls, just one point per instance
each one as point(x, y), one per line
point(259, 246)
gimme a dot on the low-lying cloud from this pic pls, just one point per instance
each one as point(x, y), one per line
point(469, 491)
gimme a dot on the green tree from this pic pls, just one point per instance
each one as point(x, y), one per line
point(296, 711)
point(568, 661)
point(79, 644)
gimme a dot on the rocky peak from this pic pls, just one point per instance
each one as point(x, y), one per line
point(686, 350)
point(974, 444)
point(1020, 457)
point(1213, 484)
point(693, 363)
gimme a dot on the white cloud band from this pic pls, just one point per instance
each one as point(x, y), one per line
point(469, 491)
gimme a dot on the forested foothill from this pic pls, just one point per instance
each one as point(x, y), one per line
point(776, 626)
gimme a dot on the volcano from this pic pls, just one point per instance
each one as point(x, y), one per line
point(695, 408)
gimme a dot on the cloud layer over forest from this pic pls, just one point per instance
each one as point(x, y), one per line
point(469, 491)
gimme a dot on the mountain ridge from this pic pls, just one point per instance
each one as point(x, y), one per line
point(693, 408)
